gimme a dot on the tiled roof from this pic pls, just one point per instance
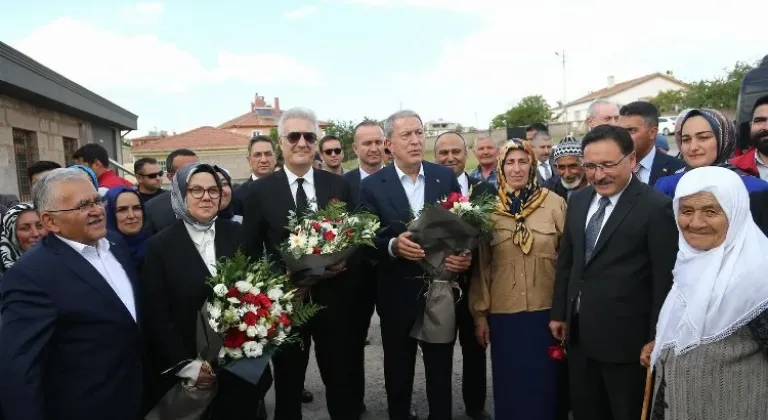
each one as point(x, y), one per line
point(260, 118)
point(201, 138)
point(620, 87)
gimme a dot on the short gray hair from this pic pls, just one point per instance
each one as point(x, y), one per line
point(44, 190)
point(389, 123)
point(541, 135)
point(297, 113)
point(597, 103)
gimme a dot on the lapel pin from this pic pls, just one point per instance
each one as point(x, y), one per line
point(438, 180)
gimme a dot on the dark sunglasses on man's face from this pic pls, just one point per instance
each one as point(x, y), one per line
point(387, 152)
point(154, 175)
point(295, 136)
point(329, 152)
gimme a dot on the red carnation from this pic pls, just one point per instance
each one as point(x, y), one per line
point(250, 299)
point(329, 235)
point(447, 205)
point(285, 320)
point(454, 197)
point(233, 292)
point(271, 331)
point(349, 232)
point(556, 352)
point(334, 200)
point(316, 226)
point(263, 313)
point(235, 338)
point(326, 220)
point(264, 300)
point(250, 319)
point(316, 250)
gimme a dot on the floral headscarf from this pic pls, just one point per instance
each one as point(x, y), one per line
point(725, 133)
point(179, 194)
point(519, 203)
point(10, 248)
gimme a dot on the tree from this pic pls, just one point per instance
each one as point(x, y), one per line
point(529, 110)
point(720, 93)
point(344, 130)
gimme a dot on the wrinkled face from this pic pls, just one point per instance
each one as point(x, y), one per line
point(369, 145)
point(180, 162)
point(262, 158)
point(604, 114)
point(151, 177)
point(517, 168)
point(29, 229)
point(130, 217)
point(407, 142)
point(759, 129)
point(298, 142)
point(486, 152)
point(451, 152)
point(226, 192)
point(570, 171)
point(542, 148)
point(333, 153)
point(698, 143)
point(606, 167)
point(77, 212)
point(643, 135)
point(203, 197)
point(702, 221)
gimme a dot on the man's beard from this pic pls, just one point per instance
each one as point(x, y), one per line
point(760, 141)
point(572, 185)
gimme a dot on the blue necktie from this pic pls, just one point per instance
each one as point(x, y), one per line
point(593, 228)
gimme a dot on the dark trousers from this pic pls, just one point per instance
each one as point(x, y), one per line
point(399, 366)
point(366, 304)
point(603, 390)
point(473, 377)
point(233, 390)
point(334, 348)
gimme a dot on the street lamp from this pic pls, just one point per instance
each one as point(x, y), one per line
point(564, 98)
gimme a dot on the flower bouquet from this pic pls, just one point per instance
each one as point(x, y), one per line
point(324, 238)
point(454, 226)
point(250, 314)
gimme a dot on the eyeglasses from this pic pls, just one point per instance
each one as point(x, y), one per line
point(199, 192)
point(124, 209)
point(295, 136)
point(83, 207)
point(153, 176)
point(592, 167)
point(329, 152)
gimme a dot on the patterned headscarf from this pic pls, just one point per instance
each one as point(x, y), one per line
point(725, 133)
point(10, 248)
point(179, 193)
point(137, 243)
point(519, 203)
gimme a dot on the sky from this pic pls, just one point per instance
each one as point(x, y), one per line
point(180, 64)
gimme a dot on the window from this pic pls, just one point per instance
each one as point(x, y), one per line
point(161, 162)
point(70, 147)
point(662, 120)
point(25, 151)
point(255, 133)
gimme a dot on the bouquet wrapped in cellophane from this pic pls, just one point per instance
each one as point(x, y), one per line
point(455, 226)
point(251, 313)
point(324, 238)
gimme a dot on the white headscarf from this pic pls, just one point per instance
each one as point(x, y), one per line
point(715, 292)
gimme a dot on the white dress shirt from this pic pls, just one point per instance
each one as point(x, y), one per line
point(254, 177)
point(364, 174)
point(309, 186)
point(414, 190)
point(762, 168)
point(464, 183)
point(102, 259)
point(645, 166)
point(205, 244)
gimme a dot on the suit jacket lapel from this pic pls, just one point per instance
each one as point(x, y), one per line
point(581, 208)
point(431, 186)
point(396, 196)
point(627, 200)
point(187, 248)
point(322, 189)
point(222, 242)
point(282, 191)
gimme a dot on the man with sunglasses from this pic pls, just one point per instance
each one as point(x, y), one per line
point(332, 154)
point(150, 178)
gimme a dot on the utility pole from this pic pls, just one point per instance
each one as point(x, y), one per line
point(565, 94)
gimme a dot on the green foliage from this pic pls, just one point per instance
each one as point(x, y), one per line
point(720, 93)
point(303, 312)
point(529, 110)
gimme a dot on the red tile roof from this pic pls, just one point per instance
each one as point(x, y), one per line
point(260, 118)
point(620, 87)
point(201, 138)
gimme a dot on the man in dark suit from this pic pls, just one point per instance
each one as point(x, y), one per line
point(300, 187)
point(71, 343)
point(369, 149)
point(395, 194)
point(614, 271)
point(451, 151)
point(262, 160)
point(641, 119)
point(160, 214)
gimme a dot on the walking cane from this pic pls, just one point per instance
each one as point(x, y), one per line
point(648, 389)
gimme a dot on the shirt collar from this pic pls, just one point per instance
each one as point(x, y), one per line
point(254, 177)
point(101, 246)
point(401, 174)
point(615, 198)
point(759, 161)
point(647, 161)
point(309, 177)
point(198, 236)
point(479, 169)
point(463, 178)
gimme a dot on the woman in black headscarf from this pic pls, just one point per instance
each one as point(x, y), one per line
point(228, 208)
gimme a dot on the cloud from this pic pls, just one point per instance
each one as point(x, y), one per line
point(300, 13)
point(155, 65)
point(142, 13)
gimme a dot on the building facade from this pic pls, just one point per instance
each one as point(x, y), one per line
point(261, 119)
point(44, 116)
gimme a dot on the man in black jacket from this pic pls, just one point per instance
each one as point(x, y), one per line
point(160, 214)
point(614, 271)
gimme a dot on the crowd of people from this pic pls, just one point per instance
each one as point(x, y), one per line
point(644, 268)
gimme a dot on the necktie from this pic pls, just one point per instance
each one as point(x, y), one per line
point(593, 228)
point(302, 203)
point(547, 170)
point(636, 170)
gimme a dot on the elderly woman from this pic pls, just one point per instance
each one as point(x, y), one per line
point(125, 216)
point(712, 334)
point(20, 230)
point(178, 261)
point(511, 289)
point(705, 137)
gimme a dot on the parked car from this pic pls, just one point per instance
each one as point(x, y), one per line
point(667, 125)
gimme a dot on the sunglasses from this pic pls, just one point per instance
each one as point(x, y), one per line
point(154, 175)
point(295, 136)
point(387, 151)
point(329, 152)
